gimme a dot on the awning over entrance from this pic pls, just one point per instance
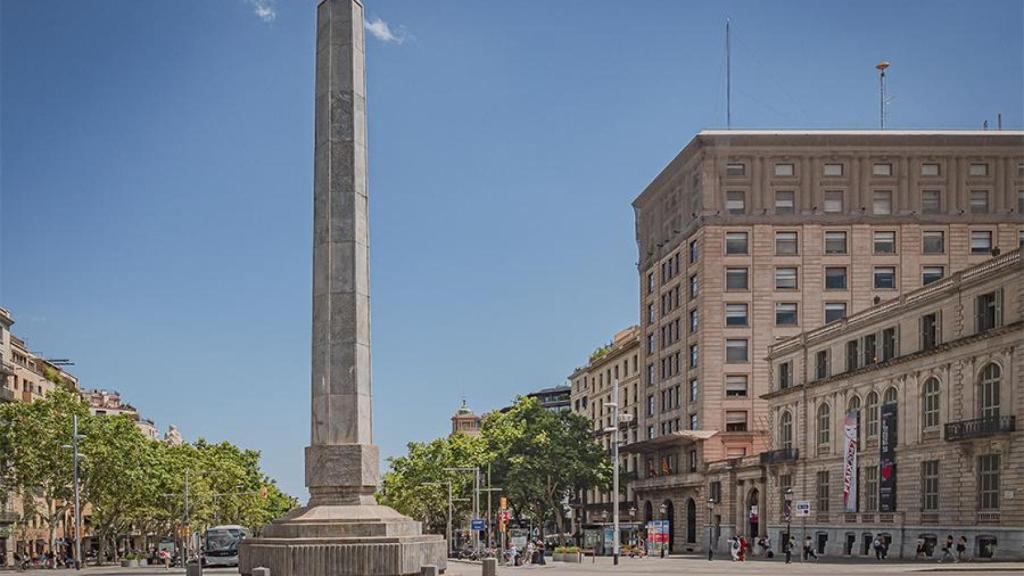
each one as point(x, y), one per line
point(676, 438)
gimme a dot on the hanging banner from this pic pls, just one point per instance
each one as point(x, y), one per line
point(850, 461)
point(887, 459)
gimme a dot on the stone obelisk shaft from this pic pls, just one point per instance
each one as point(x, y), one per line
point(341, 463)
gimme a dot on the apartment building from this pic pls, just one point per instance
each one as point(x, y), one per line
point(592, 386)
point(749, 237)
point(902, 422)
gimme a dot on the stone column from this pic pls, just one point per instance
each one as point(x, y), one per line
point(341, 462)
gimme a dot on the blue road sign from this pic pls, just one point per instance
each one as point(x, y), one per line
point(479, 524)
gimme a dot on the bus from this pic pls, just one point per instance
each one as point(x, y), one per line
point(220, 545)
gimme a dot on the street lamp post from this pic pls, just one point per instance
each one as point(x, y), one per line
point(75, 437)
point(614, 429)
point(787, 545)
point(711, 536)
point(632, 522)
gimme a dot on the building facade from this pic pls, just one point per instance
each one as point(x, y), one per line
point(464, 421)
point(748, 237)
point(106, 403)
point(555, 398)
point(902, 421)
point(592, 386)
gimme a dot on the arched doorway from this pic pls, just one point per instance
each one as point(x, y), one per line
point(691, 521)
point(753, 513)
point(648, 512)
point(670, 515)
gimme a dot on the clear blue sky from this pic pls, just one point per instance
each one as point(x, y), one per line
point(156, 184)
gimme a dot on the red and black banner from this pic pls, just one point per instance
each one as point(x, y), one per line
point(887, 459)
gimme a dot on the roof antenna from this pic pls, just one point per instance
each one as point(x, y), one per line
point(881, 66)
point(999, 121)
point(728, 78)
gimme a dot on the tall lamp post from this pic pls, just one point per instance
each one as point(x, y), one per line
point(787, 545)
point(76, 460)
point(664, 510)
point(632, 523)
point(711, 536)
point(614, 429)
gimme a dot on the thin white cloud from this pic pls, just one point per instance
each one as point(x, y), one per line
point(381, 31)
point(264, 9)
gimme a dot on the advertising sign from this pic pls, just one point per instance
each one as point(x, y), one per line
point(887, 459)
point(802, 508)
point(850, 461)
point(479, 524)
point(657, 536)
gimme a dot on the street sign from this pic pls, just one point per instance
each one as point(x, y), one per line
point(802, 508)
point(479, 524)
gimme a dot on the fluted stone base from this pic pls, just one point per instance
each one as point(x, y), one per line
point(342, 540)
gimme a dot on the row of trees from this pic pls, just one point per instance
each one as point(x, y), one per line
point(541, 459)
point(130, 484)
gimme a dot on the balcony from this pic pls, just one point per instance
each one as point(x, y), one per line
point(781, 455)
point(691, 479)
point(980, 427)
point(6, 368)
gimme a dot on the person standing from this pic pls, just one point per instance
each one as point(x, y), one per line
point(787, 547)
point(809, 549)
point(961, 548)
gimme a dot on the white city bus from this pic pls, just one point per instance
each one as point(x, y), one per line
point(220, 545)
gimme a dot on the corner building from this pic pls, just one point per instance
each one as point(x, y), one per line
point(918, 403)
point(748, 237)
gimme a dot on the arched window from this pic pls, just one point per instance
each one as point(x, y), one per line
point(786, 430)
point(853, 406)
point(871, 407)
point(824, 424)
point(930, 404)
point(988, 391)
point(890, 395)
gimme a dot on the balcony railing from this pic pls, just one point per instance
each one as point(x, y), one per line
point(781, 455)
point(980, 427)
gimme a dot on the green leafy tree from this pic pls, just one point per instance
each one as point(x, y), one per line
point(542, 457)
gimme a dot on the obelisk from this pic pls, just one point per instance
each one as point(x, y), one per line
point(342, 531)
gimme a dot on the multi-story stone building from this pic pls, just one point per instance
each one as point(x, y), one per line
point(592, 386)
point(107, 403)
point(902, 422)
point(747, 237)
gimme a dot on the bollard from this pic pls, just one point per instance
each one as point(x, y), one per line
point(429, 570)
point(261, 571)
point(194, 569)
point(490, 567)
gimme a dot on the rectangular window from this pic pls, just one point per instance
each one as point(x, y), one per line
point(835, 277)
point(785, 314)
point(979, 201)
point(981, 242)
point(735, 314)
point(694, 355)
point(784, 170)
point(785, 243)
point(735, 242)
point(885, 242)
point(650, 282)
point(693, 422)
point(833, 201)
point(833, 170)
point(931, 202)
point(785, 375)
point(988, 482)
point(650, 374)
point(930, 274)
point(889, 344)
point(694, 252)
point(1020, 201)
point(694, 385)
point(736, 279)
point(834, 311)
point(694, 287)
point(852, 355)
point(735, 169)
point(736, 385)
point(978, 169)
point(785, 278)
point(882, 169)
point(835, 242)
point(650, 343)
point(652, 406)
point(821, 364)
point(785, 202)
point(736, 350)
point(933, 242)
point(870, 349)
point(735, 421)
point(822, 492)
point(871, 488)
point(694, 320)
point(735, 202)
point(930, 170)
point(929, 331)
point(650, 314)
point(885, 278)
point(881, 202)
point(989, 313)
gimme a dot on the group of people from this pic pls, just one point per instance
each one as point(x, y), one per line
point(947, 549)
point(533, 553)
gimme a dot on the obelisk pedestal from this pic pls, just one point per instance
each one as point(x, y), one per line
point(342, 531)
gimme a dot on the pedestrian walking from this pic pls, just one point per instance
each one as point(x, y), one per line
point(961, 548)
point(809, 549)
point(920, 549)
point(787, 547)
point(766, 545)
point(744, 546)
point(947, 549)
point(734, 548)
